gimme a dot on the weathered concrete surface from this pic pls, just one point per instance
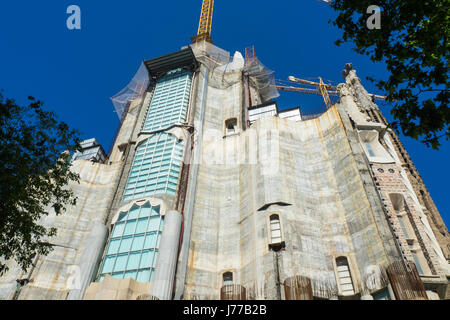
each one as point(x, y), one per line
point(162, 284)
point(315, 175)
point(89, 262)
point(117, 289)
point(55, 274)
point(396, 176)
point(325, 209)
point(195, 115)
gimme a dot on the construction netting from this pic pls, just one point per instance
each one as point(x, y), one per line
point(210, 55)
point(262, 78)
point(134, 90)
point(222, 67)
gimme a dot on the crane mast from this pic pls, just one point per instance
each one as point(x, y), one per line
point(205, 24)
point(325, 90)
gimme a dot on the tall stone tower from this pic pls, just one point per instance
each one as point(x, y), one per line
point(211, 192)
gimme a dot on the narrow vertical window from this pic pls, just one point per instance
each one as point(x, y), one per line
point(402, 223)
point(275, 229)
point(227, 278)
point(398, 203)
point(344, 276)
point(416, 259)
point(370, 149)
point(417, 262)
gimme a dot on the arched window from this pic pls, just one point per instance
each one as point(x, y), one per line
point(227, 278)
point(133, 245)
point(344, 276)
point(275, 229)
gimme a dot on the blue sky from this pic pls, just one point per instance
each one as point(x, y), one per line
point(75, 72)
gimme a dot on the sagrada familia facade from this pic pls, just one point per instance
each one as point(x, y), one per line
point(210, 191)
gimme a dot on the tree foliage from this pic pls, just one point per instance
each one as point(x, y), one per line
point(413, 43)
point(34, 170)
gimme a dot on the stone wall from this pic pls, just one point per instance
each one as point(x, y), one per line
point(56, 274)
point(310, 179)
point(396, 176)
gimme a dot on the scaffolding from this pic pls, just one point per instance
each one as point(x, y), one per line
point(259, 76)
point(406, 284)
point(210, 55)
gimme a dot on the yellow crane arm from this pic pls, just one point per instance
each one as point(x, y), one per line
point(205, 24)
point(323, 89)
point(293, 79)
point(304, 90)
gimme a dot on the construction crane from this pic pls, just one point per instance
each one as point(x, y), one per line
point(204, 34)
point(204, 26)
point(325, 90)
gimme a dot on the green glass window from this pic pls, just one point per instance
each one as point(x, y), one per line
point(157, 169)
point(170, 100)
point(382, 295)
point(134, 242)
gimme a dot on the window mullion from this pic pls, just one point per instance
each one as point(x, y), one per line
point(118, 249)
point(143, 243)
point(160, 165)
point(156, 245)
point(145, 237)
point(132, 239)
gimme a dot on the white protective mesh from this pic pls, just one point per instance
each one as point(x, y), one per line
point(134, 90)
point(210, 55)
point(262, 78)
